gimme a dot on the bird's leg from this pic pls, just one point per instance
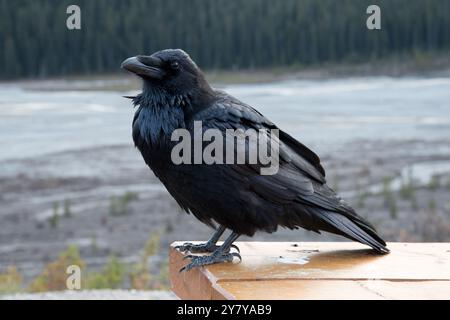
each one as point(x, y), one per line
point(221, 254)
point(209, 246)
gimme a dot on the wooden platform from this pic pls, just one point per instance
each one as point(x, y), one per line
point(326, 270)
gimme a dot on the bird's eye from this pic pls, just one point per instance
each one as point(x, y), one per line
point(174, 65)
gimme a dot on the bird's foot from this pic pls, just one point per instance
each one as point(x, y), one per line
point(216, 257)
point(197, 248)
point(201, 248)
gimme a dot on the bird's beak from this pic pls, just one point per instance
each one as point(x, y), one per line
point(144, 66)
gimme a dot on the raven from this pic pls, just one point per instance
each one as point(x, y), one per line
point(237, 197)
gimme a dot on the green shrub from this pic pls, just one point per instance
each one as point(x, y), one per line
point(119, 205)
point(10, 281)
point(407, 189)
point(387, 192)
point(110, 277)
point(54, 276)
point(414, 204)
point(434, 182)
point(432, 205)
point(130, 196)
point(53, 220)
point(67, 210)
point(393, 208)
point(141, 276)
point(389, 197)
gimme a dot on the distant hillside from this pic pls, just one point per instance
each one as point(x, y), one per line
point(219, 34)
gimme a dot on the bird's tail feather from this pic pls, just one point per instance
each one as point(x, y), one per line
point(355, 230)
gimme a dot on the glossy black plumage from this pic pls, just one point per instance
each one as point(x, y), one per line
point(234, 196)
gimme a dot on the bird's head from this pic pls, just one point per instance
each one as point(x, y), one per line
point(171, 70)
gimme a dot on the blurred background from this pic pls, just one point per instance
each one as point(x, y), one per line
point(73, 190)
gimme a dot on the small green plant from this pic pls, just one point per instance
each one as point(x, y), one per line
point(387, 192)
point(434, 182)
point(110, 277)
point(119, 205)
point(10, 281)
point(114, 206)
point(407, 189)
point(94, 245)
point(414, 204)
point(389, 197)
point(152, 245)
point(53, 277)
point(67, 210)
point(54, 218)
point(393, 207)
point(432, 205)
point(130, 196)
point(140, 275)
point(162, 282)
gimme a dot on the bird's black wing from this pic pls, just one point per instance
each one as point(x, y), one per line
point(230, 113)
point(299, 185)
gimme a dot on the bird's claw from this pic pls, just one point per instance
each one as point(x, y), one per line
point(184, 247)
point(196, 248)
point(218, 257)
point(237, 249)
point(201, 248)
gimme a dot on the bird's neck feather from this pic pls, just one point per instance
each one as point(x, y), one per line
point(159, 114)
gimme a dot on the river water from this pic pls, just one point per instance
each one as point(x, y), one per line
point(322, 114)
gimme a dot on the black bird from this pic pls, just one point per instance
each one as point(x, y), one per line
point(236, 197)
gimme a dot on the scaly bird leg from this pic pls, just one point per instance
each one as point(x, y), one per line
point(209, 246)
point(221, 254)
